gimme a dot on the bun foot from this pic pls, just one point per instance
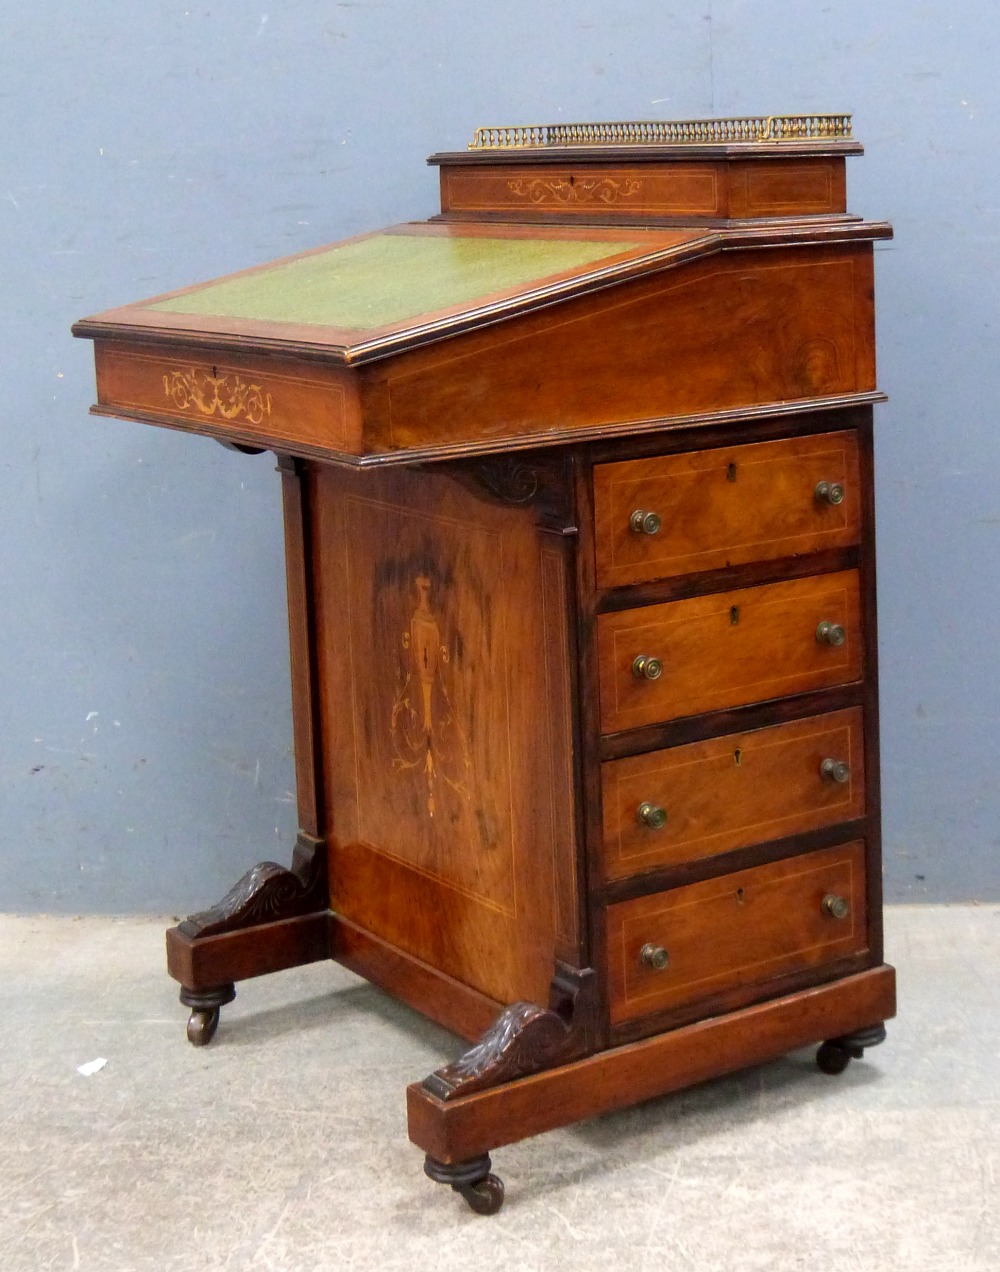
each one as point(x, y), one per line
point(835, 1055)
point(482, 1191)
point(205, 1006)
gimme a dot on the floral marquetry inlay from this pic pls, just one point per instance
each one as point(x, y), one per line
point(227, 395)
point(594, 190)
point(426, 736)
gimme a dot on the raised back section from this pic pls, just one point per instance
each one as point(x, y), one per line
point(699, 171)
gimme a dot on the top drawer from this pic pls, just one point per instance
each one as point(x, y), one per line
point(725, 507)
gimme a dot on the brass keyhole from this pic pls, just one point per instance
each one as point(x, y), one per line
point(731, 473)
point(738, 757)
point(734, 614)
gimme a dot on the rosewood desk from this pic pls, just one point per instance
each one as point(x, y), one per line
point(581, 583)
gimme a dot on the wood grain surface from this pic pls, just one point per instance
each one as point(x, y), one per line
point(736, 328)
point(454, 1131)
point(450, 795)
point(730, 792)
point(718, 651)
point(555, 188)
point(268, 401)
point(739, 929)
point(725, 506)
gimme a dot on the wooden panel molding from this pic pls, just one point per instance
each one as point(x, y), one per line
point(251, 398)
point(739, 929)
point(726, 649)
point(441, 621)
point(786, 325)
point(727, 793)
point(725, 506)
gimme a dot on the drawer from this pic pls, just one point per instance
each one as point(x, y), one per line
point(715, 508)
point(737, 930)
point(724, 650)
point(731, 792)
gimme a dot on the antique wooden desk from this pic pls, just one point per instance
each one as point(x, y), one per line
point(581, 579)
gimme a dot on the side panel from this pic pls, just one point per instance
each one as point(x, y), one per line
point(444, 687)
point(738, 329)
point(570, 191)
point(252, 399)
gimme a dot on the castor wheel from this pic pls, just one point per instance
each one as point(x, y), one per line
point(836, 1054)
point(484, 1197)
point(201, 1027)
point(833, 1059)
point(205, 1005)
point(483, 1191)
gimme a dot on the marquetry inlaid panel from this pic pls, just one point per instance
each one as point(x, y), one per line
point(449, 795)
point(232, 395)
point(637, 190)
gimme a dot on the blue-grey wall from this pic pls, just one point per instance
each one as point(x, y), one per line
point(145, 739)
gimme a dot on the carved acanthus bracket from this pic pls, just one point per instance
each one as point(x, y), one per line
point(268, 893)
point(526, 1038)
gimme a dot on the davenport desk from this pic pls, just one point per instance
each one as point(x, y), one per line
point(581, 582)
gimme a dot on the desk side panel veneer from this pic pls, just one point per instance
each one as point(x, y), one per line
point(441, 625)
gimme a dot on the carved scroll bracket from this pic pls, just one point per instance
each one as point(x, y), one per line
point(526, 1038)
point(268, 893)
point(531, 480)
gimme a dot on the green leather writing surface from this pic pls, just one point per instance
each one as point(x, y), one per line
point(388, 278)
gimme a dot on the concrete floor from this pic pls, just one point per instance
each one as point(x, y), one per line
point(283, 1144)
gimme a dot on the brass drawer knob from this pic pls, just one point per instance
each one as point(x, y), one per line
point(838, 771)
point(646, 668)
point(830, 492)
point(651, 815)
point(643, 522)
point(830, 634)
point(654, 956)
point(836, 907)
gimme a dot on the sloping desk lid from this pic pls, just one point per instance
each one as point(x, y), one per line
point(379, 293)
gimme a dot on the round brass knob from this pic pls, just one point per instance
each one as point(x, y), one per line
point(654, 956)
point(835, 771)
point(830, 634)
point(646, 668)
point(836, 907)
point(651, 815)
point(643, 522)
point(830, 492)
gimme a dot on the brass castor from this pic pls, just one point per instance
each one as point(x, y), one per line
point(483, 1191)
point(205, 1006)
point(836, 1054)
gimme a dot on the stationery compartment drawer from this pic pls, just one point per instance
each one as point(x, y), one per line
point(704, 510)
point(711, 797)
point(743, 929)
point(710, 652)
